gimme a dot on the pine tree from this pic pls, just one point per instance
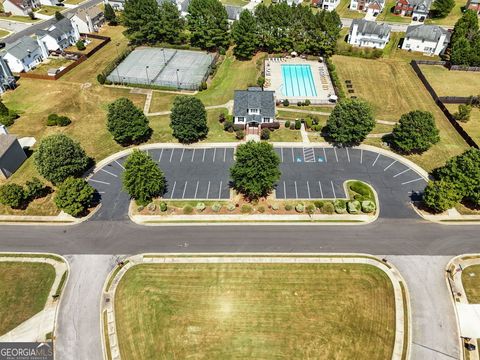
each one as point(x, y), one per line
point(110, 15)
point(208, 23)
point(172, 24)
point(442, 8)
point(244, 33)
point(141, 20)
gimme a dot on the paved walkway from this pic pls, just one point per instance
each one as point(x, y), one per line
point(42, 323)
point(391, 272)
point(303, 132)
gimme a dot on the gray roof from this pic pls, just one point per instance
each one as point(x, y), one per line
point(420, 5)
point(254, 98)
point(92, 12)
point(6, 141)
point(233, 12)
point(426, 32)
point(184, 5)
point(61, 27)
point(21, 48)
point(371, 27)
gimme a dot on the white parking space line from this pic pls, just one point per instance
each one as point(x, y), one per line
point(220, 190)
point(296, 192)
point(208, 189)
point(325, 155)
point(173, 189)
point(408, 182)
point(293, 156)
point(100, 182)
point(224, 154)
point(308, 189)
point(203, 158)
point(348, 155)
point(284, 191)
point(333, 188)
point(193, 155)
point(402, 172)
point(335, 150)
point(101, 192)
point(181, 157)
point(361, 156)
point(171, 155)
point(108, 172)
point(378, 155)
point(160, 157)
point(120, 165)
point(281, 152)
point(196, 189)
point(393, 162)
point(184, 188)
point(214, 154)
point(320, 186)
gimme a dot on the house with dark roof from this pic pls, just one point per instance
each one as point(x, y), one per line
point(365, 33)
point(24, 54)
point(233, 12)
point(7, 80)
point(428, 39)
point(253, 106)
point(20, 7)
point(59, 36)
point(88, 20)
point(417, 9)
point(473, 5)
point(12, 155)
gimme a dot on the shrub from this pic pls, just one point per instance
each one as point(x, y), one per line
point(59, 157)
point(328, 208)
point(12, 195)
point(317, 127)
point(203, 86)
point(240, 134)
point(299, 103)
point(101, 79)
point(188, 119)
point(308, 123)
point(318, 204)
point(310, 209)
point(221, 118)
point(298, 124)
point(80, 45)
point(361, 188)
point(275, 207)
point(34, 189)
point(354, 207)
point(221, 50)
point(368, 206)
point(340, 206)
point(127, 123)
point(287, 124)
point(187, 210)
point(63, 121)
point(299, 208)
point(152, 207)
point(163, 206)
point(261, 81)
point(52, 120)
point(74, 196)
point(200, 207)
point(307, 102)
point(231, 207)
point(246, 209)
point(261, 209)
point(286, 102)
point(292, 126)
point(216, 207)
point(272, 126)
point(265, 134)
point(463, 113)
point(228, 126)
point(288, 207)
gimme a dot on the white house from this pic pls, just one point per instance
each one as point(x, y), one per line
point(88, 20)
point(328, 5)
point(59, 36)
point(428, 39)
point(24, 54)
point(117, 5)
point(7, 80)
point(20, 7)
point(366, 33)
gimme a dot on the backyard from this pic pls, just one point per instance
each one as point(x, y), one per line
point(51, 63)
point(452, 83)
point(472, 127)
point(219, 311)
point(393, 88)
point(24, 289)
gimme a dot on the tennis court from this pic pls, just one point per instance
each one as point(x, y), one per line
point(181, 69)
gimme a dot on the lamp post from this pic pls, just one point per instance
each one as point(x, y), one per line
point(118, 56)
point(178, 83)
point(146, 72)
point(163, 52)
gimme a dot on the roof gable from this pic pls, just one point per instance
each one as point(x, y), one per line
point(254, 98)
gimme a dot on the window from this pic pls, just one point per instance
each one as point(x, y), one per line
point(240, 119)
point(266, 119)
point(407, 46)
point(253, 111)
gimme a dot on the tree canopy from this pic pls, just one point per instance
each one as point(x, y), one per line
point(465, 41)
point(110, 15)
point(142, 178)
point(256, 169)
point(188, 119)
point(127, 123)
point(208, 24)
point(415, 132)
point(74, 196)
point(12, 195)
point(441, 195)
point(59, 157)
point(245, 35)
point(350, 122)
point(441, 8)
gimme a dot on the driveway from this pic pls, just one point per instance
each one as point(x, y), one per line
point(13, 26)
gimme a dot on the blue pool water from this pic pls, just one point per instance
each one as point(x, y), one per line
point(298, 81)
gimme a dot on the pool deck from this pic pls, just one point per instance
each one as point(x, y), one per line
point(274, 79)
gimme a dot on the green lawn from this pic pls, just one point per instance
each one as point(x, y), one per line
point(471, 283)
point(388, 15)
point(285, 135)
point(24, 289)
point(162, 101)
point(240, 3)
point(4, 33)
point(452, 83)
point(25, 19)
point(73, 2)
point(393, 88)
point(452, 18)
point(50, 63)
point(49, 10)
point(255, 311)
point(472, 127)
point(344, 12)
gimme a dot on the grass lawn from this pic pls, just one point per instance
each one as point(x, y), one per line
point(88, 47)
point(19, 18)
point(471, 283)
point(49, 10)
point(231, 75)
point(285, 135)
point(255, 311)
point(388, 15)
point(290, 115)
point(472, 127)
point(50, 63)
point(162, 101)
point(240, 3)
point(24, 289)
point(343, 10)
point(4, 33)
point(215, 128)
point(393, 88)
point(73, 2)
point(452, 83)
point(452, 18)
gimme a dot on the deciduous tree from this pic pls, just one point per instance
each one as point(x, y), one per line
point(188, 119)
point(74, 196)
point(441, 195)
point(127, 123)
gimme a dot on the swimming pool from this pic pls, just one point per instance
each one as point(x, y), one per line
point(298, 81)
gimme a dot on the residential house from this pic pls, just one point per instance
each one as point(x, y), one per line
point(473, 5)
point(291, 2)
point(253, 106)
point(365, 33)
point(117, 5)
point(428, 39)
point(20, 7)
point(11, 153)
point(7, 80)
point(88, 20)
point(371, 7)
point(328, 5)
point(417, 9)
point(24, 54)
point(59, 36)
point(233, 12)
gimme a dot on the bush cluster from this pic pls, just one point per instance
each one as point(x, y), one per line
point(55, 120)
